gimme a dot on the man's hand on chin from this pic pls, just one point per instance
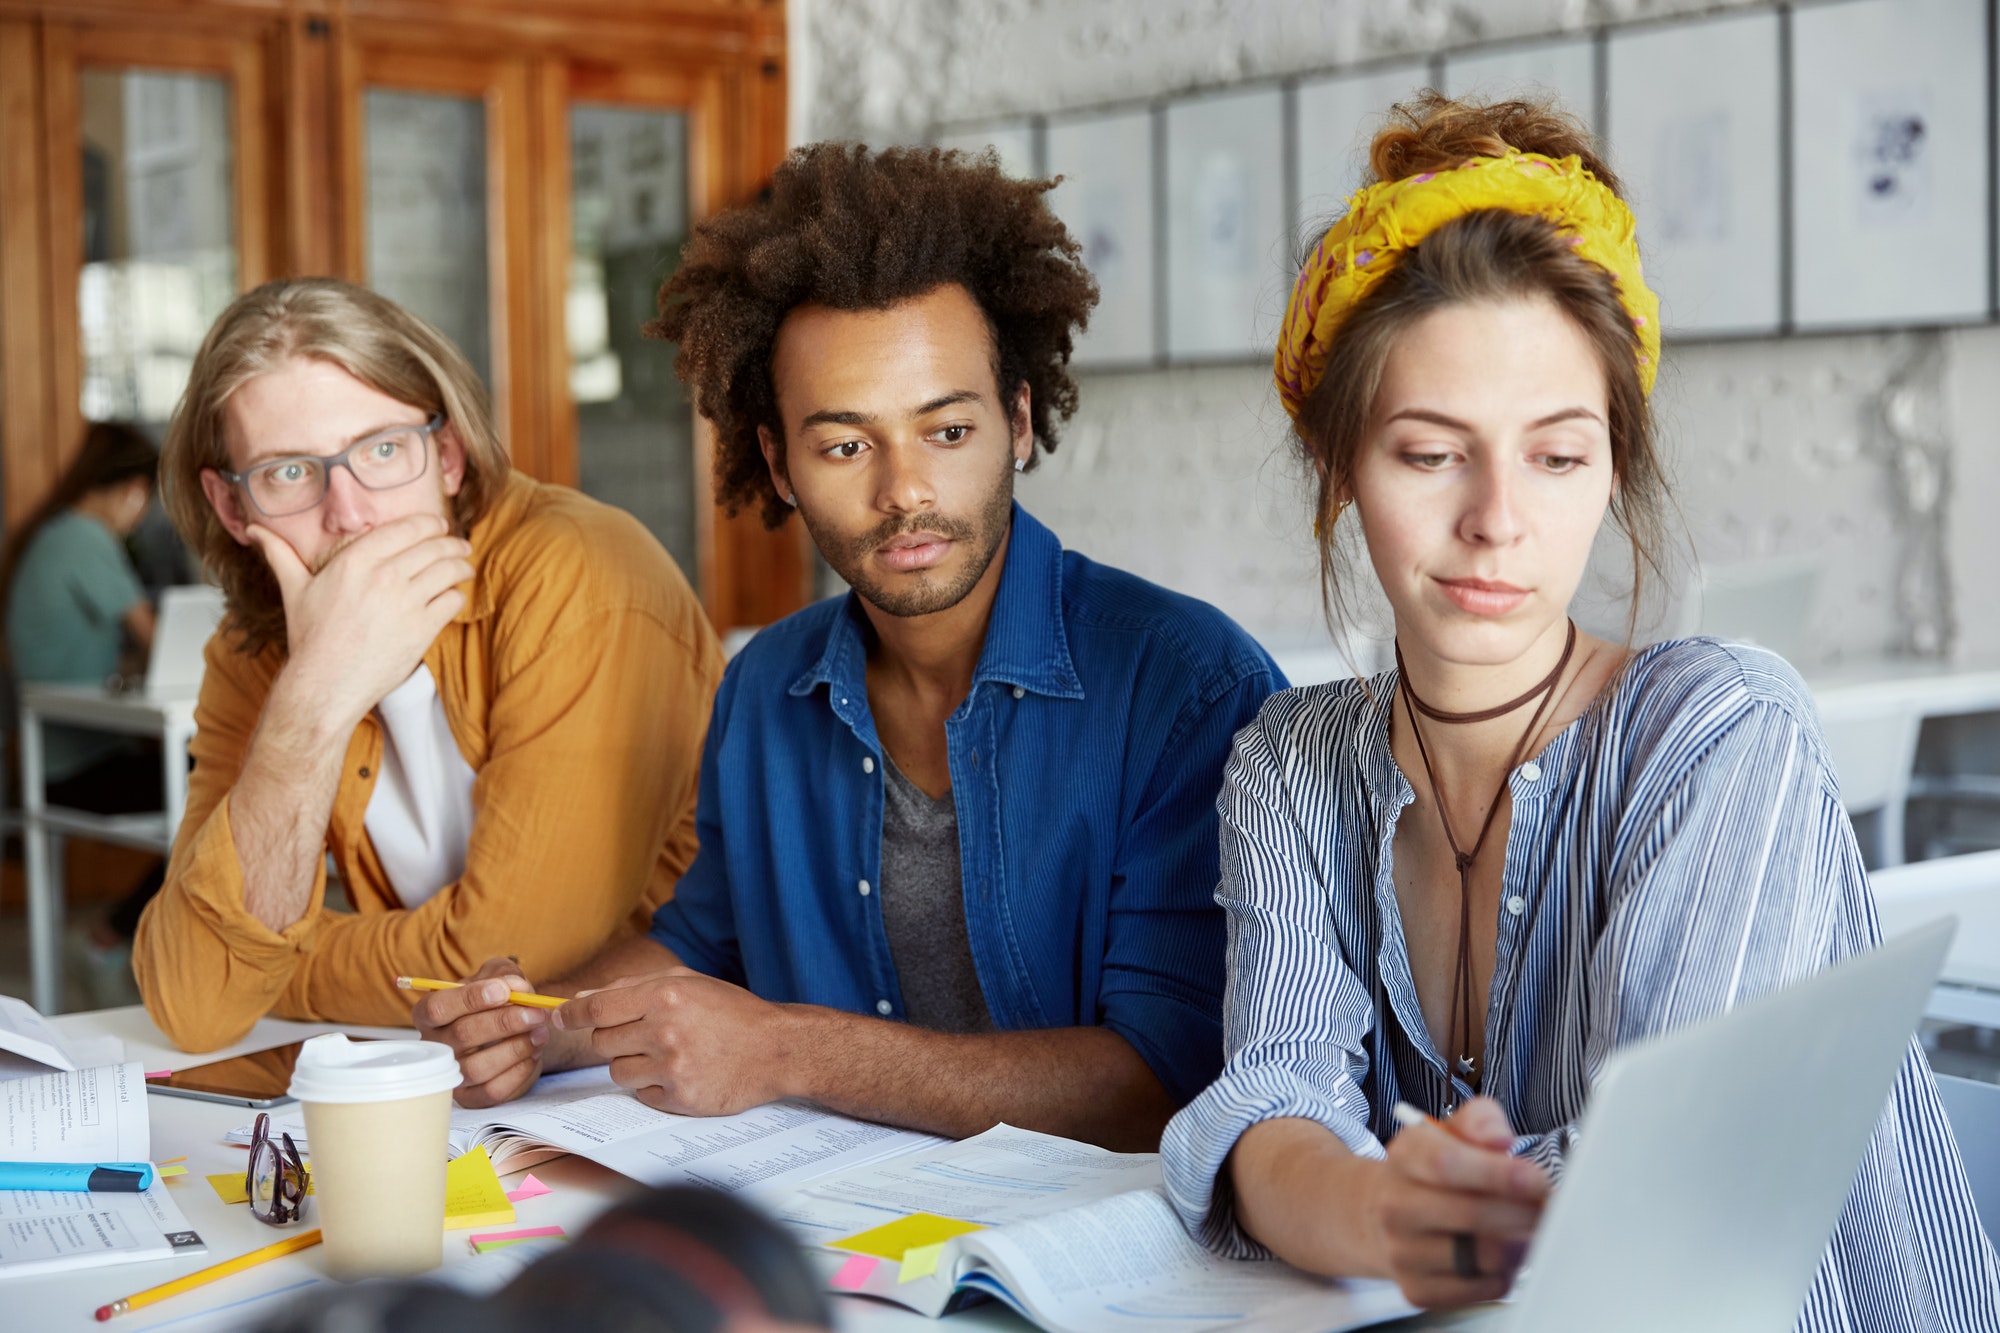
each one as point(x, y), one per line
point(690, 1044)
point(360, 625)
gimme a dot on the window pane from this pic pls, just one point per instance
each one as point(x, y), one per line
point(426, 212)
point(629, 215)
point(158, 245)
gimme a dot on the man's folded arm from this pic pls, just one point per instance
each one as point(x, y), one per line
point(587, 773)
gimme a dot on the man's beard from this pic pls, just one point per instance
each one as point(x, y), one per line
point(925, 592)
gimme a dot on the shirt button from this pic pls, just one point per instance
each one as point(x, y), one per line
point(865, 890)
point(884, 1008)
point(1020, 693)
point(1531, 772)
point(867, 764)
point(1515, 905)
point(364, 774)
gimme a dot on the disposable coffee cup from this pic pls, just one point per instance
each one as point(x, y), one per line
point(378, 1128)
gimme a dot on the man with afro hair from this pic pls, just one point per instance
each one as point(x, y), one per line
point(958, 833)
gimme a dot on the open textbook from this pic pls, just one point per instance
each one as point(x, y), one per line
point(1078, 1239)
point(767, 1151)
point(82, 1115)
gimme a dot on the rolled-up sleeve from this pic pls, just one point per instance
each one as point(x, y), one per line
point(1296, 1017)
point(699, 922)
point(1164, 941)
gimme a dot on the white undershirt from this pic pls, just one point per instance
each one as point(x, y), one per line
point(420, 814)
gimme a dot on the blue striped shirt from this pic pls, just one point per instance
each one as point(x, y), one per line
point(1677, 849)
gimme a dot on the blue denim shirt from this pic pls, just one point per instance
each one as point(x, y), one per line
point(1085, 763)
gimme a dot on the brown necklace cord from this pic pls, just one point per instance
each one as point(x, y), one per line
point(1459, 1037)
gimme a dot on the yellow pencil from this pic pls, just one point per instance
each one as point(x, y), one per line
point(529, 998)
point(291, 1245)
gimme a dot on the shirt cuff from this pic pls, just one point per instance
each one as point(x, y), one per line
point(210, 883)
point(1179, 1042)
point(1198, 1141)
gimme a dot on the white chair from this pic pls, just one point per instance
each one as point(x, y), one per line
point(1872, 757)
point(1974, 1111)
point(1765, 602)
point(1967, 887)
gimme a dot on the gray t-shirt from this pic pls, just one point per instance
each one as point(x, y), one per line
point(923, 909)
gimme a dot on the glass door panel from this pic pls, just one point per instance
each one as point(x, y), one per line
point(628, 217)
point(425, 212)
point(159, 249)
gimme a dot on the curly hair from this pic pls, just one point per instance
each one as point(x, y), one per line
point(851, 229)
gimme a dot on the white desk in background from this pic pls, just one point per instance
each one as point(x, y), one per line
point(1968, 887)
point(168, 720)
point(581, 1190)
point(1872, 713)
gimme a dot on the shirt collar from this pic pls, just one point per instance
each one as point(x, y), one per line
point(1027, 643)
point(501, 518)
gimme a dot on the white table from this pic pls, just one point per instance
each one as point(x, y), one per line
point(171, 722)
point(581, 1190)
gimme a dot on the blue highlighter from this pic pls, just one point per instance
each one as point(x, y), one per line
point(111, 1177)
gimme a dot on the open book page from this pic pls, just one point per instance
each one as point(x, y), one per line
point(25, 1032)
point(1003, 1175)
point(768, 1150)
point(83, 1115)
point(47, 1231)
point(1126, 1263)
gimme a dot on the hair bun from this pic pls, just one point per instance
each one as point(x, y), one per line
point(1432, 132)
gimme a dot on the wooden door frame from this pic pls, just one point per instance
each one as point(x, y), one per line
point(40, 442)
point(502, 82)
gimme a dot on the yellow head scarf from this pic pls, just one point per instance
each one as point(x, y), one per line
point(1392, 216)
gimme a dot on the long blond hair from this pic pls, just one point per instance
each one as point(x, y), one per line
point(314, 319)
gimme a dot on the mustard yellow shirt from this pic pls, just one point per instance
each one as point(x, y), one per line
point(577, 683)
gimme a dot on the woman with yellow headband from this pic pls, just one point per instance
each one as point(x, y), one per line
point(1462, 884)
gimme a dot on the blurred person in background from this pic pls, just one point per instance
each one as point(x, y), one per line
point(676, 1260)
point(77, 614)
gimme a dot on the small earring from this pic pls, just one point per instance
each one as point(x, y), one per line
point(1020, 464)
point(791, 500)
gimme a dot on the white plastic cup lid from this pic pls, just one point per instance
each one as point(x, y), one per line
point(333, 1070)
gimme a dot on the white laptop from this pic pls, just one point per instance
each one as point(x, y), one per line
point(1714, 1162)
point(188, 617)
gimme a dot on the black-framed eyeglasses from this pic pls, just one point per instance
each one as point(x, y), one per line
point(277, 1179)
point(383, 461)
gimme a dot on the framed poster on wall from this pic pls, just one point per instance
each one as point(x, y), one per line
point(1567, 69)
point(1890, 123)
point(1337, 119)
point(1106, 201)
point(1692, 128)
point(1227, 266)
point(1013, 140)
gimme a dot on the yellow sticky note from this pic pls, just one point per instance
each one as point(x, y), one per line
point(229, 1187)
point(894, 1240)
point(164, 1171)
point(920, 1262)
point(472, 1193)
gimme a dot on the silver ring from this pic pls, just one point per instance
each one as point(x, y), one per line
point(1465, 1255)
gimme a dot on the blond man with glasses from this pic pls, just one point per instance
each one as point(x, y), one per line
point(482, 696)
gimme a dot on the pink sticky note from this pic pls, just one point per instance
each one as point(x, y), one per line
point(528, 1189)
point(854, 1272)
point(161, 1073)
point(525, 1233)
